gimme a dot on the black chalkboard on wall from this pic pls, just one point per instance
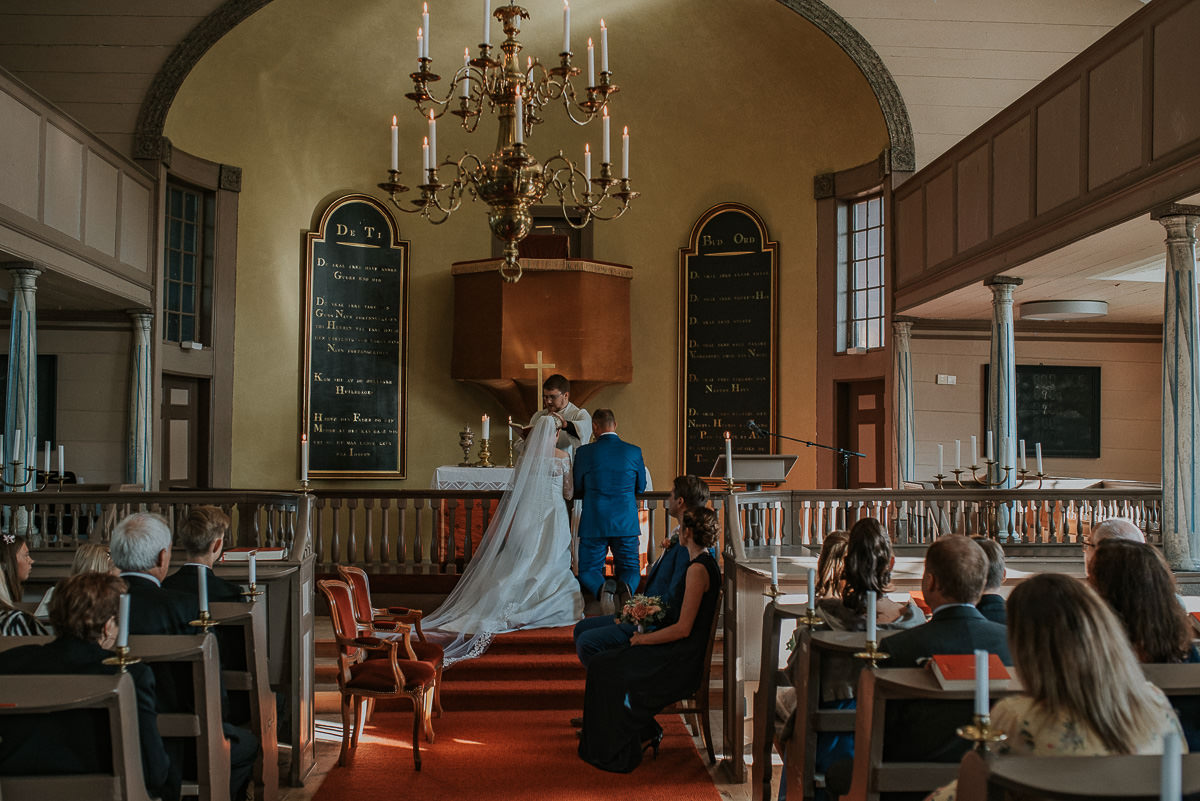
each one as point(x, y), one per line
point(356, 332)
point(727, 339)
point(1058, 406)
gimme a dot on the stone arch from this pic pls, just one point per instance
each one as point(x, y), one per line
point(903, 157)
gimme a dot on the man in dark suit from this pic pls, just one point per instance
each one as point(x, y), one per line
point(991, 603)
point(609, 474)
point(141, 549)
point(202, 537)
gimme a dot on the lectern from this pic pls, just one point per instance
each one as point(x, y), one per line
point(756, 469)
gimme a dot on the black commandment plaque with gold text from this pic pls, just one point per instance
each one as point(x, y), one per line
point(356, 332)
point(727, 342)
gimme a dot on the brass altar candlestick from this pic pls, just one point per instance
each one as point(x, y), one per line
point(122, 660)
point(205, 621)
point(484, 455)
point(465, 440)
point(253, 592)
point(981, 733)
point(872, 654)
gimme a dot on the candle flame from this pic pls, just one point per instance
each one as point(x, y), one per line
point(304, 437)
point(393, 120)
point(726, 435)
point(424, 8)
point(431, 117)
point(602, 26)
point(626, 131)
point(589, 43)
point(420, 31)
point(566, 4)
point(606, 112)
point(425, 142)
point(587, 149)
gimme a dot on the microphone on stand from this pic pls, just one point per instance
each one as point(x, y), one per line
point(753, 426)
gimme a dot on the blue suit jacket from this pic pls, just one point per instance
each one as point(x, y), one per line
point(608, 474)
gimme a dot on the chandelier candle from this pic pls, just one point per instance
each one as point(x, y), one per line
point(395, 144)
point(940, 465)
point(991, 455)
point(420, 44)
point(432, 141)
point(487, 22)
point(591, 64)
point(425, 158)
point(566, 27)
point(519, 122)
point(465, 92)
point(603, 47)
point(1037, 449)
point(46, 460)
point(625, 154)
point(425, 25)
point(606, 155)
point(587, 164)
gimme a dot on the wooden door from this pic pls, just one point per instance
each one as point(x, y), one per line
point(185, 427)
point(861, 426)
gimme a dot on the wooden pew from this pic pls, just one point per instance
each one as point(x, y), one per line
point(251, 620)
point(1134, 778)
point(204, 725)
point(47, 694)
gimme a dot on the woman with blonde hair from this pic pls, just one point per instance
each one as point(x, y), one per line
point(830, 565)
point(1085, 693)
point(15, 567)
point(90, 557)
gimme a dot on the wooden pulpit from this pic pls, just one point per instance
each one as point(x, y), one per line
point(573, 312)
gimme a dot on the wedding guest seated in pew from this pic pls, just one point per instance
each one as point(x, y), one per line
point(1085, 694)
point(141, 548)
point(924, 731)
point(1116, 528)
point(991, 603)
point(84, 615)
point(627, 687)
point(15, 566)
point(1139, 587)
point(90, 557)
point(202, 536)
point(867, 567)
point(831, 565)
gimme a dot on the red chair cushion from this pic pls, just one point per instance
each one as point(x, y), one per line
point(428, 651)
point(376, 675)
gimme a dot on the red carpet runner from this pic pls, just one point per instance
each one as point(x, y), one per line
point(506, 735)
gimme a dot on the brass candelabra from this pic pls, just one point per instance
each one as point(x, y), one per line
point(30, 477)
point(510, 180)
point(985, 481)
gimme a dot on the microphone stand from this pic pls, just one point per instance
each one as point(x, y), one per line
point(842, 452)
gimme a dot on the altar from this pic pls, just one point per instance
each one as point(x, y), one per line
point(453, 477)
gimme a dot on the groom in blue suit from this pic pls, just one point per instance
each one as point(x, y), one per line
point(609, 474)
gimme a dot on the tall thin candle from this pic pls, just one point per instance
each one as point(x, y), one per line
point(425, 158)
point(519, 122)
point(871, 631)
point(17, 455)
point(61, 454)
point(981, 682)
point(587, 167)
point(958, 454)
point(395, 144)
point(991, 455)
point(591, 64)
point(566, 27)
point(625, 153)
point(487, 426)
point(253, 568)
point(812, 590)
point(605, 153)
point(1170, 786)
point(940, 464)
point(509, 427)
point(603, 47)
point(1023, 465)
point(1037, 449)
point(974, 451)
point(487, 22)
point(728, 457)
point(465, 86)
point(425, 25)
point(774, 570)
point(432, 141)
point(46, 460)
point(202, 587)
point(123, 621)
point(420, 44)
point(304, 457)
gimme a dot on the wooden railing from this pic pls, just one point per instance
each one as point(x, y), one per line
point(64, 519)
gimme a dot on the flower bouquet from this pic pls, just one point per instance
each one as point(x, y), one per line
point(642, 611)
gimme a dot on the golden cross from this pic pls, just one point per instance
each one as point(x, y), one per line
point(538, 366)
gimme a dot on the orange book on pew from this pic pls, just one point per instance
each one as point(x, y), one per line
point(957, 671)
point(260, 554)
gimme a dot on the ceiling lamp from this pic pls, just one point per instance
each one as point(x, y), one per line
point(510, 180)
point(1063, 309)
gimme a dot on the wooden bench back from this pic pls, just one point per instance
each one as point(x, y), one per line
point(60, 693)
point(1134, 778)
point(251, 620)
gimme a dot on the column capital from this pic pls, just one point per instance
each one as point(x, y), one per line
point(1174, 210)
point(140, 314)
point(902, 327)
point(24, 273)
point(1003, 280)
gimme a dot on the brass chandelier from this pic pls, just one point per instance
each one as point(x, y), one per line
point(510, 180)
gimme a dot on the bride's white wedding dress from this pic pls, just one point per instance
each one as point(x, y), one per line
point(520, 575)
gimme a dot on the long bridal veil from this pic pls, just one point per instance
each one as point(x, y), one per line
point(513, 561)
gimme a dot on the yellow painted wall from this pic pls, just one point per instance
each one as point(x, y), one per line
point(740, 101)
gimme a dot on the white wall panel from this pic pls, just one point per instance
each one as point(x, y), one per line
point(61, 208)
point(100, 211)
point(135, 223)
point(20, 144)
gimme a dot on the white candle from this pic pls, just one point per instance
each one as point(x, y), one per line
point(425, 158)
point(487, 426)
point(509, 427)
point(17, 446)
point(1003, 451)
point(1023, 466)
point(728, 457)
point(123, 621)
point(1, 452)
point(253, 568)
point(202, 587)
point(1171, 782)
point(981, 682)
point(420, 44)
point(46, 460)
point(432, 141)
point(519, 122)
point(625, 153)
point(425, 25)
point(465, 86)
point(61, 453)
point(487, 22)
point(304, 457)
point(606, 157)
point(591, 64)
point(566, 27)
point(587, 167)
point(958, 454)
point(812, 590)
point(395, 144)
point(974, 451)
point(940, 465)
point(991, 455)
point(1037, 450)
point(774, 570)
point(871, 632)
point(603, 47)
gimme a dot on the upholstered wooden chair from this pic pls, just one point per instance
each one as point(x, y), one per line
point(361, 680)
point(697, 706)
point(371, 618)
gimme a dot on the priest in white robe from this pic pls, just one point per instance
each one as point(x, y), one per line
point(575, 424)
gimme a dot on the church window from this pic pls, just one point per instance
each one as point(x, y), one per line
point(187, 277)
point(861, 284)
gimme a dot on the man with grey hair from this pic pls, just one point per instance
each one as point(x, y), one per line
point(1119, 528)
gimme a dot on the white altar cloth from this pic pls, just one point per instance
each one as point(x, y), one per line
point(453, 477)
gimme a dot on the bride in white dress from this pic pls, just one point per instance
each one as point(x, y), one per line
point(520, 575)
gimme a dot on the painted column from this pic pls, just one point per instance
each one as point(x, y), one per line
point(139, 452)
point(21, 400)
point(1002, 389)
point(906, 467)
point(1181, 382)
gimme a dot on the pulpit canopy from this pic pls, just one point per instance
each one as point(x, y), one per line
point(570, 316)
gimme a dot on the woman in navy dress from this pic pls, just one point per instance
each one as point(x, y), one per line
point(627, 687)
